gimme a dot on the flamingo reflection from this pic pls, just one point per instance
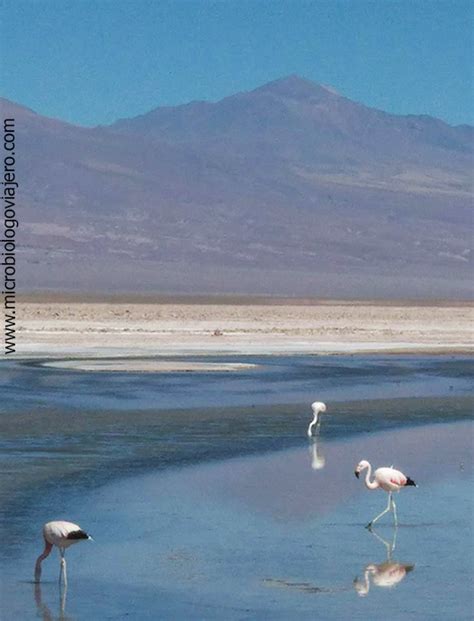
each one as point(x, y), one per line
point(44, 612)
point(317, 458)
point(387, 574)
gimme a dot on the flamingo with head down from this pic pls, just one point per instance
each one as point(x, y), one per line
point(317, 407)
point(62, 535)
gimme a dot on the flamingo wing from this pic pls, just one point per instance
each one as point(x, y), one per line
point(398, 478)
point(390, 476)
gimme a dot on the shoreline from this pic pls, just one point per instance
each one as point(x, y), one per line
point(141, 358)
point(166, 363)
point(72, 297)
point(98, 330)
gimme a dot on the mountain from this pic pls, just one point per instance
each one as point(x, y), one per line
point(287, 189)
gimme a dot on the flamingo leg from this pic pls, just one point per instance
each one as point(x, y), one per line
point(394, 509)
point(63, 570)
point(372, 522)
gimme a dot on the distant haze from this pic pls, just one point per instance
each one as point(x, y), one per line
point(290, 189)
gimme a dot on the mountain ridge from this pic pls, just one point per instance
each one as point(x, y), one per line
point(287, 189)
point(279, 86)
point(267, 87)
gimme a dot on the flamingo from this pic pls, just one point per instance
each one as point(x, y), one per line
point(317, 407)
point(388, 479)
point(61, 534)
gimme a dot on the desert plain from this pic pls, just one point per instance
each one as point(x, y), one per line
point(124, 328)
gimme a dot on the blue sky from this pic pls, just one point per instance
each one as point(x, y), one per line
point(93, 62)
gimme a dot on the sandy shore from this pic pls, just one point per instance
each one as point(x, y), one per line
point(122, 328)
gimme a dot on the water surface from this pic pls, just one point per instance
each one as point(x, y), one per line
point(207, 501)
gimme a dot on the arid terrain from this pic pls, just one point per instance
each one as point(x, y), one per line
point(120, 327)
point(289, 189)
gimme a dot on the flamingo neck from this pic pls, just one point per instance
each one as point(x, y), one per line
point(368, 483)
point(312, 423)
point(47, 549)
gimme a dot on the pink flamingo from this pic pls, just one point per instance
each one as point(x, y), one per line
point(61, 534)
point(388, 479)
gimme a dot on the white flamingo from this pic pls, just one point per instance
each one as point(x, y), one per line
point(62, 535)
point(317, 407)
point(388, 479)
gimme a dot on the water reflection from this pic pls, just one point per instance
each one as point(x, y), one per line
point(318, 460)
point(44, 611)
point(386, 574)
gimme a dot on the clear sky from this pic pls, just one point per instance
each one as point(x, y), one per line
point(93, 62)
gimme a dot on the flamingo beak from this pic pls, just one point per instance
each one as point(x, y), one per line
point(356, 472)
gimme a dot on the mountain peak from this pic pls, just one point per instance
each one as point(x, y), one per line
point(295, 87)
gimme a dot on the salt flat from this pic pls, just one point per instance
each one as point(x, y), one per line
point(123, 327)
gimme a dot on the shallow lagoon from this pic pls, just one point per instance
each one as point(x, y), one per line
point(227, 513)
point(275, 380)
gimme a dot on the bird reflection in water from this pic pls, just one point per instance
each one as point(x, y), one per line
point(386, 574)
point(317, 458)
point(44, 612)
